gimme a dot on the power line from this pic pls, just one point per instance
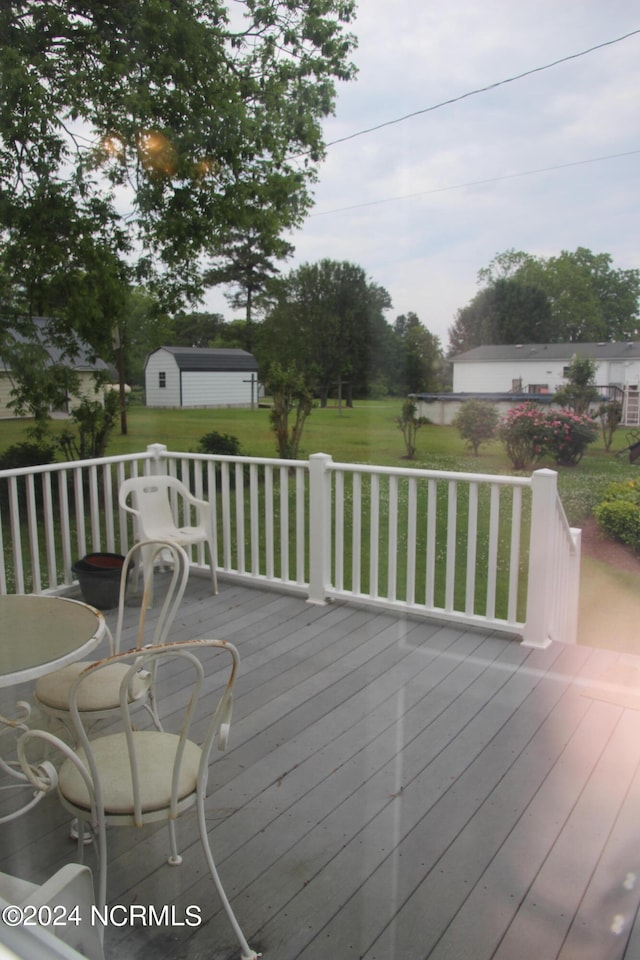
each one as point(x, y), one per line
point(475, 183)
point(473, 93)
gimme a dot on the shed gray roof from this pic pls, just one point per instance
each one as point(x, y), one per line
point(211, 358)
point(550, 351)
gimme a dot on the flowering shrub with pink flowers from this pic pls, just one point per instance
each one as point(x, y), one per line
point(529, 433)
point(523, 431)
point(569, 435)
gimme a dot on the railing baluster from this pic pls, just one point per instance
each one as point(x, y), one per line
point(356, 534)
point(392, 539)
point(226, 516)
point(284, 524)
point(268, 522)
point(3, 567)
point(492, 561)
point(16, 536)
point(374, 535)
point(79, 511)
point(254, 518)
point(301, 517)
point(338, 556)
point(432, 506)
point(65, 526)
point(412, 527)
point(107, 495)
point(514, 553)
point(49, 531)
point(239, 501)
point(94, 505)
point(452, 525)
point(32, 523)
point(472, 550)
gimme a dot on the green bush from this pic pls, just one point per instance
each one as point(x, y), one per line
point(220, 444)
point(476, 422)
point(620, 519)
point(623, 490)
point(27, 455)
point(23, 455)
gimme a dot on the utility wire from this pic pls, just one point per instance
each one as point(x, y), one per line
point(473, 93)
point(475, 183)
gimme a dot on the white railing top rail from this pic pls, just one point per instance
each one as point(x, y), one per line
point(462, 476)
point(225, 458)
point(565, 525)
point(74, 464)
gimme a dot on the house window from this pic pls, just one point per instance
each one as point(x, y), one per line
point(162, 380)
point(516, 385)
point(538, 388)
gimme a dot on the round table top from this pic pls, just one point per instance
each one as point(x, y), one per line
point(39, 634)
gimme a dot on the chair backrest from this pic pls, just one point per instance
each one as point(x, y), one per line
point(184, 661)
point(150, 502)
point(151, 550)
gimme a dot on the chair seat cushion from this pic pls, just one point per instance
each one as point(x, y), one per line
point(155, 753)
point(100, 690)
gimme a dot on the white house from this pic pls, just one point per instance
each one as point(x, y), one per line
point(542, 367)
point(510, 374)
point(200, 377)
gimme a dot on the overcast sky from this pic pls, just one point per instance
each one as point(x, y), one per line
point(404, 203)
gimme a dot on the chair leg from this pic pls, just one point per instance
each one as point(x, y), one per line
point(174, 859)
point(246, 952)
point(212, 564)
point(147, 576)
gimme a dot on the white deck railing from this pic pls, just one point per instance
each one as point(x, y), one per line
point(470, 548)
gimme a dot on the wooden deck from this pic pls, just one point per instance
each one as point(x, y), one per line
point(393, 790)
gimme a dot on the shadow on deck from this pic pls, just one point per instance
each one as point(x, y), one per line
point(394, 789)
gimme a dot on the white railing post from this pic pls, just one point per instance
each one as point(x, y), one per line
point(319, 527)
point(544, 490)
point(574, 586)
point(157, 451)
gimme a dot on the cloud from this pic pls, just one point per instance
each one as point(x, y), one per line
point(428, 225)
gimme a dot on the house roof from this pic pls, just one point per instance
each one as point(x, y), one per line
point(212, 358)
point(550, 351)
point(81, 361)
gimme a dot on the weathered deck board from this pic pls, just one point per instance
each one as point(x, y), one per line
point(394, 789)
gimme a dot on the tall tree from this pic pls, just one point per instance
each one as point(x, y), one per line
point(327, 318)
point(245, 260)
point(134, 136)
point(196, 329)
point(419, 357)
point(507, 311)
point(574, 297)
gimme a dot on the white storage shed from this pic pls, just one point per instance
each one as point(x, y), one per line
point(200, 377)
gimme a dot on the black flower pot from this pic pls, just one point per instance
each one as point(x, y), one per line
point(99, 578)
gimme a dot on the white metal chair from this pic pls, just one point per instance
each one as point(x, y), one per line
point(98, 699)
point(152, 500)
point(133, 777)
point(67, 897)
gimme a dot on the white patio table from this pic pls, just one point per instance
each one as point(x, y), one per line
point(40, 634)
